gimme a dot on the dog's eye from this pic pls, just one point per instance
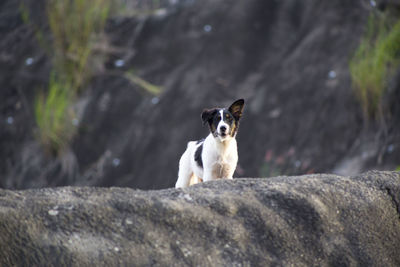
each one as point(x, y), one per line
point(227, 116)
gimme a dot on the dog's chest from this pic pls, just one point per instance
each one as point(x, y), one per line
point(223, 164)
point(219, 158)
point(221, 169)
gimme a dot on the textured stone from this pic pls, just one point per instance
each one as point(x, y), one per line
point(312, 220)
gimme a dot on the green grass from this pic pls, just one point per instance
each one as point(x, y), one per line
point(76, 26)
point(374, 62)
point(148, 87)
point(76, 29)
point(54, 116)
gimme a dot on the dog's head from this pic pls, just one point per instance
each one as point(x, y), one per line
point(224, 122)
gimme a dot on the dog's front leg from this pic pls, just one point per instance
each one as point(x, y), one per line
point(207, 175)
point(230, 171)
point(230, 175)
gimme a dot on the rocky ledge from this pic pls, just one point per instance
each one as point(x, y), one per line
point(311, 220)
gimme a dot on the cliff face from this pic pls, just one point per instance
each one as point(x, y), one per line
point(313, 220)
point(288, 59)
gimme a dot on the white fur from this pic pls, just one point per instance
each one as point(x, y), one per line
point(222, 123)
point(219, 157)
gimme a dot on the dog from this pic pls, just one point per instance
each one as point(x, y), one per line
point(216, 156)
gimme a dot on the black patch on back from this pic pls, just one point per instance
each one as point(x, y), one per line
point(199, 141)
point(197, 155)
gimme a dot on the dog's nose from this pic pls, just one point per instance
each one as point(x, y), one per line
point(222, 128)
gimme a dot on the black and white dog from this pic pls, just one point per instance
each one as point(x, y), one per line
point(216, 156)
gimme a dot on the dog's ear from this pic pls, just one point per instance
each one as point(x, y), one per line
point(236, 108)
point(207, 115)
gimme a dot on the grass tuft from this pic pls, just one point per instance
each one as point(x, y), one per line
point(54, 116)
point(75, 25)
point(375, 61)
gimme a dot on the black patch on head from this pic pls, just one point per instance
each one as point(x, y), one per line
point(228, 117)
point(211, 116)
point(197, 155)
point(230, 120)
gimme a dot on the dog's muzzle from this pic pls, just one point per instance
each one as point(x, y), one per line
point(223, 131)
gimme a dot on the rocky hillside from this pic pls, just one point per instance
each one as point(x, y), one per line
point(313, 220)
point(288, 59)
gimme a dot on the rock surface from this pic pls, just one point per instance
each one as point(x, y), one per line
point(312, 220)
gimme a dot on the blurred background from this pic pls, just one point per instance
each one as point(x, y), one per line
point(109, 92)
